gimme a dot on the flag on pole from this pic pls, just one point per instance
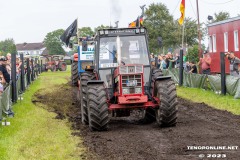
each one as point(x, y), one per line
point(182, 10)
point(137, 23)
point(69, 32)
point(141, 20)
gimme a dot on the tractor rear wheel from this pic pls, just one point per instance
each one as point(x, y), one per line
point(74, 73)
point(97, 107)
point(166, 114)
point(86, 76)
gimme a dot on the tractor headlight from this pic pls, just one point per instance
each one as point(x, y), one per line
point(138, 90)
point(125, 91)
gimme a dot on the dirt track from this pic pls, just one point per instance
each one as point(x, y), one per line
point(198, 125)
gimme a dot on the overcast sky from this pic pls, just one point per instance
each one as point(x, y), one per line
point(30, 20)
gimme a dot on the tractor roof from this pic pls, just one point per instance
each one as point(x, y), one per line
point(121, 31)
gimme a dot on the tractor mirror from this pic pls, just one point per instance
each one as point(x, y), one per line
point(84, 46)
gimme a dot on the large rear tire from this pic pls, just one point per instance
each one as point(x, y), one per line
point(86, 76)
point(74, 73)
point(166, 114)
point(97, 107)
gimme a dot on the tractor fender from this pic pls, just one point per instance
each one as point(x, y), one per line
point(95, 82)
point(162, 78)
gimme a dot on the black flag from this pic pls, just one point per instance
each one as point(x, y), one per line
point(69, 32)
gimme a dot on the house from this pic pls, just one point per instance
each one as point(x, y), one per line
point(32, 49)
point(223, 36)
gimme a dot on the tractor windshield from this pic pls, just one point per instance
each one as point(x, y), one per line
point(115, 51)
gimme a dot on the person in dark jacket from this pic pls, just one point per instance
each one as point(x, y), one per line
point(234, 63)
point(193, 68)
point(3, 69)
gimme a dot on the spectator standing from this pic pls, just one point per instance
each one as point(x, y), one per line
point(234, 64)
point(169, 60)
point(152, 59)
point(18, 67)
point(3, 69)
point(193, 68)
point(163, 64)
point(205, 63)
point(8, 63)
point(187, 66)
point(177, 60)
point(2, 82)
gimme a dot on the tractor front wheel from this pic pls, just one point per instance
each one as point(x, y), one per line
point(74, 73)
point(166, 114)
point(97, 107)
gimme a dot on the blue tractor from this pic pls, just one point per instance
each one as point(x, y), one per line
point(82, 59)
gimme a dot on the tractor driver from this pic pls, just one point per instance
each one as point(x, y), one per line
point(125, 52)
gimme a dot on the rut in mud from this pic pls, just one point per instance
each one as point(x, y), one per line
point(198, 125)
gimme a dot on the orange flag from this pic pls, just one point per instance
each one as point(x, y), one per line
point(182, 10)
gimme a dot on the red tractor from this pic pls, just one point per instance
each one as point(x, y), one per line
point(56, 62)
point(122, 80)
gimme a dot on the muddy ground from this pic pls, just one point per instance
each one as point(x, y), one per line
point(198, 125)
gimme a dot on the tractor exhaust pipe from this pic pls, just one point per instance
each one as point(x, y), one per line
point(118, 50)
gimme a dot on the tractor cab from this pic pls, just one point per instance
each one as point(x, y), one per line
point(124, 54)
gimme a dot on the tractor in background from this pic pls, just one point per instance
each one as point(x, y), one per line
point(55, 63)
point(122, 80)
point(82, 59)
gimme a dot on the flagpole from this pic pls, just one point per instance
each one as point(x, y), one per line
point(183, 27)
point(181, 21)
point(77, 33)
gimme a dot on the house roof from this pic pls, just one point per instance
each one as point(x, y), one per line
point(45, 52)
point(29, 46)
point(224, 21)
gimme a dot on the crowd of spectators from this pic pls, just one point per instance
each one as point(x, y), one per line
point(5, 70)
point(169, 61)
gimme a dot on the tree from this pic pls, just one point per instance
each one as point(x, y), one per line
point(220, 16)
point(190, 32)
point(159, 23)
point(100, 27)
point(7, 46)
point(85, 31)
point(53, 43)
point(192, 54)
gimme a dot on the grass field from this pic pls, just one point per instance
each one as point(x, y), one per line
point(217, 101)
point(34, 132)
